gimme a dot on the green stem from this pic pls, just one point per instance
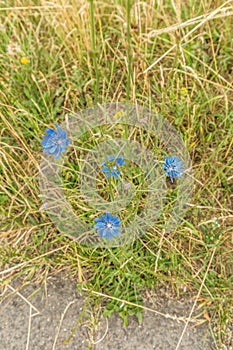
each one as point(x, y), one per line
point(93, 44)
point(129, 77)
point(110, 188)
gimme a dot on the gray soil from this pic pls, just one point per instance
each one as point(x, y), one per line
point(45, 320)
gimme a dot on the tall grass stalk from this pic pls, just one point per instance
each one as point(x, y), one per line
point(129, 55)
point(94, 51)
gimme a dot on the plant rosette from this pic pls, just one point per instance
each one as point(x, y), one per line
point(122, 181)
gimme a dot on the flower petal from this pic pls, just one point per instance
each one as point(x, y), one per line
point(50, 132)
point(57, 153)
point(99, 225)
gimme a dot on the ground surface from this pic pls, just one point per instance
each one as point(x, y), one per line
point(46, 319)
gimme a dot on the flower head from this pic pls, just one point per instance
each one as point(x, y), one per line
point(13, 48)
point(108, 226)
point(24, 60)
point(111, 167)
point(55, 142)
point(173, 166)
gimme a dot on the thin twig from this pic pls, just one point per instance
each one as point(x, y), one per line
point(196, 300)
point(29, 328)
point(105, 333)
point(61, 320)
point(30, 261)
point(205, 19)
point(174, 318)
point(24, 299)
point(28, 8)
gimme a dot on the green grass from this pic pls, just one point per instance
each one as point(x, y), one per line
point(87, 52)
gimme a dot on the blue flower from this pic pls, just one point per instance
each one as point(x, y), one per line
point(110, 167)
point(173, 166)
point(55, 142)
point(108, 226)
